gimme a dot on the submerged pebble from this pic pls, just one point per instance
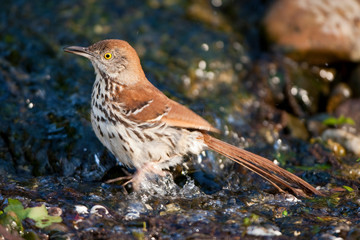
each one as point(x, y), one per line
point(260, 231)
point(350, 141)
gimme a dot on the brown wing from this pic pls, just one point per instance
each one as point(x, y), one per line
point(148, 104)
point(181, 116)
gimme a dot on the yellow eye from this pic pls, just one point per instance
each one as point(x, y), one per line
point(107, 56)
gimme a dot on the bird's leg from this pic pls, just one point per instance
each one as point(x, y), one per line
point(148, 170)
point(118, 179)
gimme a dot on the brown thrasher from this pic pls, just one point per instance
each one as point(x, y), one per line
point(145, 129)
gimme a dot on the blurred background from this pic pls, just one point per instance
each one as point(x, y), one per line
point(280, 78)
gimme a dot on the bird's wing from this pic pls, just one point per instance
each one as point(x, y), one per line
point(181, 116)
point(148, 104)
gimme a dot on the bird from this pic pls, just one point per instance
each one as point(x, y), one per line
point(146, 130)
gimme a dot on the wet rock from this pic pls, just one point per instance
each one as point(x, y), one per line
point(134, 210)
point(339, 94)
point(354, 81)
point(351, 171)
point(206, 12)
point(81, 209)
point(315, 124)
point(323, 156)
point(270, 231)
point(295, 125)
point(336, 148)
point(317, 31)
point(354, 233)
point(290, 86)
point(55, 211)
point(171, 208)
point(350, 141)
point(99, 211)
point(350, 109)
point(328, 236)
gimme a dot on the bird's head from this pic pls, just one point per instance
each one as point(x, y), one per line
point(114, 58)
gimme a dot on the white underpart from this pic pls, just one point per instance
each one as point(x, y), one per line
point(137, 147)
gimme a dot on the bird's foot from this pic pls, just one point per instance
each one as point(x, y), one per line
point(142, 176)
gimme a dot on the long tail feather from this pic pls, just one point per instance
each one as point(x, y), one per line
point(263, 167)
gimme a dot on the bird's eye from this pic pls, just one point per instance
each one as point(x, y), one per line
point(107, 56)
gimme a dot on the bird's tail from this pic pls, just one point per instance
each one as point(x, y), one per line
point(278, 177)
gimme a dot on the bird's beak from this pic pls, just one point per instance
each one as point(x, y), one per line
point(82, 51)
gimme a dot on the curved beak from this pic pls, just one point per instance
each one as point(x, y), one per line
point(82, 51)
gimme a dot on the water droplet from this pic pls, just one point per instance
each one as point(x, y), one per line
point(205, 47)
